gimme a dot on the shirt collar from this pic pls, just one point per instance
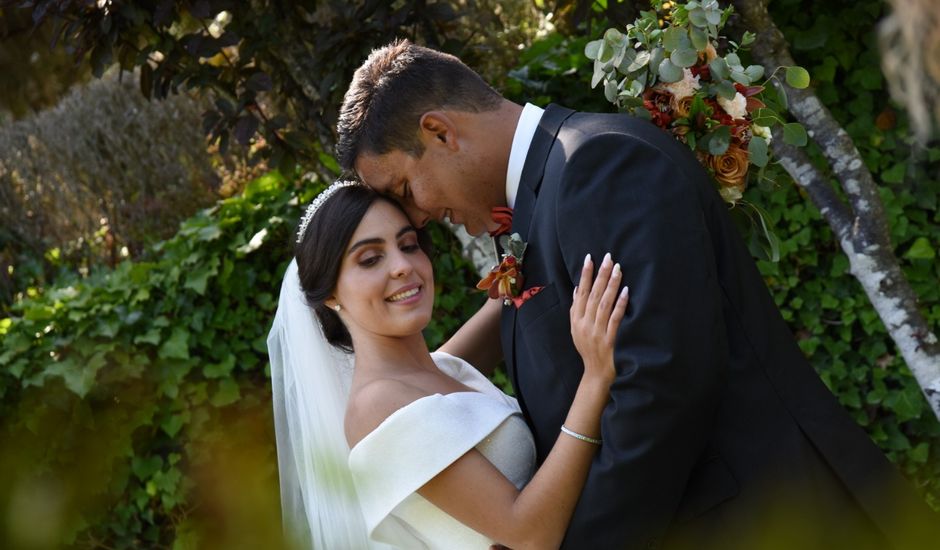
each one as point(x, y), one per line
point(525, 131)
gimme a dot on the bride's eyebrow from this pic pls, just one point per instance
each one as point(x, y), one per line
point(379, 240)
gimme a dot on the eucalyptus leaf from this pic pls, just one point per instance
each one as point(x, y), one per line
point(794, 134)
point(734, 62)
point(605, 53)
point(656, 57)
point(740, 77)
point(636, 88)
point(719, 69)
point(757, 151)
point(765, 116)
point(641, 60)
point(684, 57)
point(611, 90)
point(669, 72)
point(675, 38)
point(719, 139)
point(754, 72)
point(613, 36)
point(713, 15)
point(698, 17)
point(798, 77)
point(592, 49)
point(782, 98)
point(726, 89)
point(699, 38)
point(627, 58)
point(599, 73)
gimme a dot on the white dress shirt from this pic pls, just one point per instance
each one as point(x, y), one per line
point(521, 140)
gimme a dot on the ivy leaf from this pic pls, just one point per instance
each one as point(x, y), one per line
point(176, 346)
point(172, 424)
point(794, 134)
point(144, 468)
point(797, 77)
point(920, 250)
point(227, 393)
point(895, 174)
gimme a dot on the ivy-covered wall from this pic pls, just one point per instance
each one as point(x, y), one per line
point(135, 399)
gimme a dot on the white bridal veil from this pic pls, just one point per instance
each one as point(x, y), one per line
point(310, 381)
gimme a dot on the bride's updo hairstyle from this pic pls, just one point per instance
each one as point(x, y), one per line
point(322, 246)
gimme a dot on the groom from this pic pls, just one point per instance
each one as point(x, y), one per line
point(717, 429)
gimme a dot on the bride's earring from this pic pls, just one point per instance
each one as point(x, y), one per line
point(337, 307)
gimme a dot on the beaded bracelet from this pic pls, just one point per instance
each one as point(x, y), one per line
point(576, 435)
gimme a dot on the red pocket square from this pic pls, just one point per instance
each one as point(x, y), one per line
point(526, 294)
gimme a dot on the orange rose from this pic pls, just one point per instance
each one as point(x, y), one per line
point(730, 170)
point(681, 107)
point(710, 52)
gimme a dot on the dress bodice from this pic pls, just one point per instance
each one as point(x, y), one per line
point(418, 441)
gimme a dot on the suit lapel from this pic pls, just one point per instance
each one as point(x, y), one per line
point(534, 167)
point(529, 184)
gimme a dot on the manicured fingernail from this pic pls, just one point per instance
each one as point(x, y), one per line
point(625, 292)
point(607, 259)
point(616, 272)
point(587, 260)
point(574, 292)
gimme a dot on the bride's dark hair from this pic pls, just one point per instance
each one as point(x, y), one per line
point(321, 250)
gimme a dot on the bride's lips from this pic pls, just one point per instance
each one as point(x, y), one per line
point(407, 294)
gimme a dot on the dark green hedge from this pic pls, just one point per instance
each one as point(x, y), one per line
point(126, 397)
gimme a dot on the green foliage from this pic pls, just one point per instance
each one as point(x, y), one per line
point(823, 304)
point(118, 389)
point(278, 68)
point(97, 178)
point(827, 309)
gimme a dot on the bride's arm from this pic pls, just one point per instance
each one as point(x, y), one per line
point(477, 342)
point(473, 491)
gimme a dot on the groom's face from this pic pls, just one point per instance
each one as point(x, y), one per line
point(439, 184)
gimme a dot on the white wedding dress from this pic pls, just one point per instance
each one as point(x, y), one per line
point(420, 440)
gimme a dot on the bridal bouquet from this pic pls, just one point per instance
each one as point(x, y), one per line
point(666, 67)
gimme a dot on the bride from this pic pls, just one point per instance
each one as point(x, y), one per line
point(411, 448)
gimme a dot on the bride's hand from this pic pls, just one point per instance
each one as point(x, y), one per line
point(596, 313)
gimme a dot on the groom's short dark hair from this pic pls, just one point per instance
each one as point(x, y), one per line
point(393, 88)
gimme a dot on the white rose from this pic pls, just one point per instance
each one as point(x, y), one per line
point(736, 107)
point(762, 131)
point(685, 87)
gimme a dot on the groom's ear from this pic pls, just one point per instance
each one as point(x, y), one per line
point(439, 129)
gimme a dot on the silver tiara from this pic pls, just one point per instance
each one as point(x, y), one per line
point(318, 202)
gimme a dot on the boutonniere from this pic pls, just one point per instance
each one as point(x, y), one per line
point(505, 280)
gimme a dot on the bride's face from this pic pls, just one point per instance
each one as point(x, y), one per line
point(386, 284)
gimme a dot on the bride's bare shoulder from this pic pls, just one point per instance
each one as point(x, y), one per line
point(371, 403)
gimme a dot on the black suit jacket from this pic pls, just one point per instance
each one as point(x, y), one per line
point(717, 426)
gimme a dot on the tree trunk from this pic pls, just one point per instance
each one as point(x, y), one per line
point(859, 222)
